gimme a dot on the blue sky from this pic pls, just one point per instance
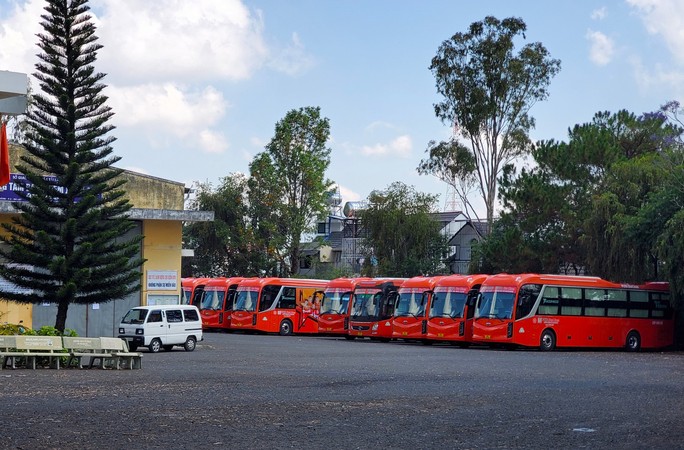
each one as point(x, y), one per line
point(198, 86)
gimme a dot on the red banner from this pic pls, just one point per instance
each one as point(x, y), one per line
point(4, 157)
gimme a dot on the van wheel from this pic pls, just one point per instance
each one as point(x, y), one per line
point(190, 344)
point(633, 343)
point(547, 341)
point(155, 346)
point(132, 347)
point(285, 328)
point(168, 348)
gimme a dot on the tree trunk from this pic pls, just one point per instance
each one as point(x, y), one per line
point(60, 321)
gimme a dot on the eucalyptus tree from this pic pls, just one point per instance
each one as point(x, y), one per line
point(488, 90)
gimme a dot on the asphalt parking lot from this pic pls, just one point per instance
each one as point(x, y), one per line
point(272, 392)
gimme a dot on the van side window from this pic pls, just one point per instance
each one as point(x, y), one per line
point(174, 315)
point(155, 316)
point(190, 315)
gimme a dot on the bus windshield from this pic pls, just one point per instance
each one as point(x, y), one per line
point(410, 304)
point(246, 300)
point(212, 300)
point(366, 304)
point(495, 305)
point(448, 304)
point(187, 293)
point(335, 302)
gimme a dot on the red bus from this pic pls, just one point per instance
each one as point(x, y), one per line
point(217, 302)
point(549, 311)
point(373, 307)
point(451, 311)
point(335, 306)
point(277, 305)
point(410, 314)
point(191, 290)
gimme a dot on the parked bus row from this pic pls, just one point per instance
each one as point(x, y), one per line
point(528, 310)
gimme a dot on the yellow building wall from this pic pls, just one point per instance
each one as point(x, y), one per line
point(162, 250)
point(12, 312)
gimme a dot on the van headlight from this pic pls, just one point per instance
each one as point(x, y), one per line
point(139, 331)
point(122, 331)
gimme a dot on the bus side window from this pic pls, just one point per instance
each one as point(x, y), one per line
point(526, 299)
point(595, 302)
point(289, 299)
point(550, 302)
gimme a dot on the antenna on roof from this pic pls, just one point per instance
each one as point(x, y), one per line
point(450, 203)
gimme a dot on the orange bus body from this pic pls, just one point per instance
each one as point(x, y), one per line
point(547, 311)
point(373, 307)
point(336, 306)
point(450, 316)
point(410, 314)
point(217, 302)
point(192, 288)
point(277, 305)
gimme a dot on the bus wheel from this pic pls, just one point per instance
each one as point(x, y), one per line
point(633, 343)
point(285, 328)
point(548, 341)
point(349, 338)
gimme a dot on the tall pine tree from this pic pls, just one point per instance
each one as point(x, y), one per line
point(66, 245)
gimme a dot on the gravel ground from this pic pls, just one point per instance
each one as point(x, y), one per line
point(272, 392)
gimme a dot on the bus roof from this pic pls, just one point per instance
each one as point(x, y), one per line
point(517, 280)
point(380, 282)
point(345, 283)
point(422, 282)
point(223, 281)
point(461, 280)
point(295, 282)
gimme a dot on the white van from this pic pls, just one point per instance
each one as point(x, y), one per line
point(162, 326)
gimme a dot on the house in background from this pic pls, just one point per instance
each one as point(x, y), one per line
point(339, 240)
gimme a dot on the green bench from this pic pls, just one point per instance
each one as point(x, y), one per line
point(105, 352)
point(30, 348)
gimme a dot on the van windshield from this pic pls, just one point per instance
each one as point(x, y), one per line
point(135, 316)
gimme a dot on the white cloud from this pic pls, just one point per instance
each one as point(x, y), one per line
point(381, 125)
point(18, 36)
point(136, 170)
point(600, 13)
point(601, 47)
point(664, 18)
point(400, 147)
point(172, 110)
point(164, 39)
point(658, 76)
point(348, 195)
point(293, 59)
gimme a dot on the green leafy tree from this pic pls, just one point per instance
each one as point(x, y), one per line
point(581, 207)
point(288, 188)
point(66, 246)
point(402, 238)
point(222, 247)
point(488, 91)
